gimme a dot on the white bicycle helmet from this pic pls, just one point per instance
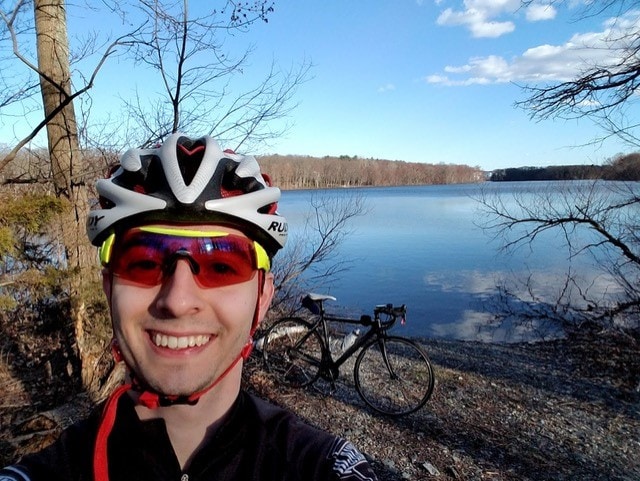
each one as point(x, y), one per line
point(189, 180)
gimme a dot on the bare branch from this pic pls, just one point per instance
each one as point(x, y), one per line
point(604, 91)
point(596, 219)
point(313, 257)
point(66, 100)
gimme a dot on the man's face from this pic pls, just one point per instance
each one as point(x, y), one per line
point(178, 336)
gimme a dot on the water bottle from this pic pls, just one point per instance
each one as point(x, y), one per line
point(349, 339)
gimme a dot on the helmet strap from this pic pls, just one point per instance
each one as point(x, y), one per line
point(152, 399)
point(100, 458)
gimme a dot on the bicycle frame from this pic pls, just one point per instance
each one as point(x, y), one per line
point(392, 374)
point(375, 330)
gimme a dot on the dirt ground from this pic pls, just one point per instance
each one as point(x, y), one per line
point(561, 410)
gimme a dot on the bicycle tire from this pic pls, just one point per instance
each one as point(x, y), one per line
point(293, 352)
point(399, 388)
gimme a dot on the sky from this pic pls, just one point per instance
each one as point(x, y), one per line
point(426, 81)
point(414, 80)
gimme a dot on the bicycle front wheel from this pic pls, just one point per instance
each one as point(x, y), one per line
point(293, 352)
point(393, 375)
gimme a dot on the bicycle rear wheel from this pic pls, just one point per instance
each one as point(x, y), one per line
point(393, 375)
point(293, 352)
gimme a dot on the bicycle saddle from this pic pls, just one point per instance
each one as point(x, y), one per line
point(313, 302)
point(320, 297)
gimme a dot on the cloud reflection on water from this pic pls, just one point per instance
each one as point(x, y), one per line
point(421, 246)
point(477, 320)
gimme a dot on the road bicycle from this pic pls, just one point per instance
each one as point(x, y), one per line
point(392, 374)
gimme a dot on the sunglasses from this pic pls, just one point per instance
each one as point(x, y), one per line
point(147, 255)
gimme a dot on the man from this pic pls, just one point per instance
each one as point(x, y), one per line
point(186, 235)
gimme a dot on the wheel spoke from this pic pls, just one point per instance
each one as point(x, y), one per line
point(394, 376)
point(293, 352)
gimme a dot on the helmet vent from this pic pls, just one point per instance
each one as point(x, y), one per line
point(189, 158)
point(191, 181)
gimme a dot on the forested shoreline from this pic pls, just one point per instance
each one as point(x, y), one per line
point(304, 172)
point(624, 167)
point(307, 172)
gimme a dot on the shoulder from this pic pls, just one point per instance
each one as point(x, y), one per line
point(349, 463)
point(68, 457)
point(330, 456)
point(284, 425)
point(15, 473)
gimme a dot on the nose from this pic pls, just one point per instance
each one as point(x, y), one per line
point(184, 255)
point(180, 294)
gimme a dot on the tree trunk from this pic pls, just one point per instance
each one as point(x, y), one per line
point(66, 165)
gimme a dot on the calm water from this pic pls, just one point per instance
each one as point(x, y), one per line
point(421, 246)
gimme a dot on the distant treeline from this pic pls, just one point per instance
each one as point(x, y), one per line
point(626, 167)
point(301, 172)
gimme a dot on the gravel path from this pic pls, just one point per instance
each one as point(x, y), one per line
point(548, 411)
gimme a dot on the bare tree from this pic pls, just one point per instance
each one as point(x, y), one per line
point(48, 70)
point(604, 214)
point(604, 91)
point(187, 52)
point(49, 75)
point(66, 163)
point(184, 52)
point(596, 220)
point(312, 259)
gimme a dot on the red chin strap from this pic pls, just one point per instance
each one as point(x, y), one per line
point(152, 399)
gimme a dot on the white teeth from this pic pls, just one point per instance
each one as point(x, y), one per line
point(172, 342)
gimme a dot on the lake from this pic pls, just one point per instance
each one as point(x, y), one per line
point(421, 246)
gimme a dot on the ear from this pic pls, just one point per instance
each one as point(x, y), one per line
point(266, 295)
point(106, 284)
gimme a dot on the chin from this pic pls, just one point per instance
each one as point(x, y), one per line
point(179, 388)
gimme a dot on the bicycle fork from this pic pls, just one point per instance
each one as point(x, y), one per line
point(383, 349)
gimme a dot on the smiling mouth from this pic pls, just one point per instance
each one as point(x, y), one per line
point(182, 342)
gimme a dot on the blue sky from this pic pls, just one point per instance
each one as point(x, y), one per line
point(432, 81)
point(414, 80)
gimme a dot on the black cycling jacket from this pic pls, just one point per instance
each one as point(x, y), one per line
point(257, 441)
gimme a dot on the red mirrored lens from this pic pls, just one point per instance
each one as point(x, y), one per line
point(147, 258)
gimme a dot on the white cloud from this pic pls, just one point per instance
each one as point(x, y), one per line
point(386, 88)
point(482, 17)
point(479, 16)
point(493, 7)
point(436, 79)
point(545, 62)
point(539, 12)
point(492, 29)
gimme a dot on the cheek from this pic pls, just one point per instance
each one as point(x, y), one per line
point(238, 307)
point(128, 303)
point(118, 314)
